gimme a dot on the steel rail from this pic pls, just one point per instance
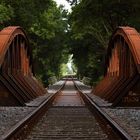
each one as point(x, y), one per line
point(23, 127)
point(123, 134)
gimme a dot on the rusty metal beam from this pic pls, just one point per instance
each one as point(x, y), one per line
point(16, 67)
point(122, 70)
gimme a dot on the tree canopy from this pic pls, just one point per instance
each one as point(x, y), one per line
point(92, 23)
point(46, 26)
point(55, 34)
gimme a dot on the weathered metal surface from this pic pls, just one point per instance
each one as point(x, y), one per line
point(16, 74)
point(94, 107)
point(122, 72)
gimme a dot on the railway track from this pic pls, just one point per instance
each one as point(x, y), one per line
point(67, 115)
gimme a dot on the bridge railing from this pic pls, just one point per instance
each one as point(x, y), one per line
point(121, 83)
point(17, 82)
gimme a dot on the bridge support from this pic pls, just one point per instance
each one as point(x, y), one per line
point(121, 83)
point(17, 82)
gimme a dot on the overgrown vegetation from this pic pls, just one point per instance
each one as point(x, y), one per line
point(92, 23)
point(46, 26)
point(55, 34)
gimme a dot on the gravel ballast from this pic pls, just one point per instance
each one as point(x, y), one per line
point(9, 116)
point(127, 118)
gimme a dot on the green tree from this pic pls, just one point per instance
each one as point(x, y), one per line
point(51, 33)
point(46, 26)
point(6, 14)
point(92, 22)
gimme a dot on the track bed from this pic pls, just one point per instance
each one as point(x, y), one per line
point(68, 119)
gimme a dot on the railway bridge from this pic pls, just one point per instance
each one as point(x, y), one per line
point(69, 109)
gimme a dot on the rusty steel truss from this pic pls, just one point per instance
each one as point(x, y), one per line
point(121, 82)
point(17, 82)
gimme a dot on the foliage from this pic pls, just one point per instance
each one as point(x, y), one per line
point(92, 22)
point(50, 30)
point(46, 25)
point(54, 34)
point(6, 13)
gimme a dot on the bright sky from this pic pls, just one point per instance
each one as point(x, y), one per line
point(65, 3)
